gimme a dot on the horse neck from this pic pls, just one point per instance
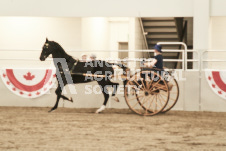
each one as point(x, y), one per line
point(60, 53)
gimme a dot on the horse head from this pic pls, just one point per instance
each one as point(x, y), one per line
point(46, 50)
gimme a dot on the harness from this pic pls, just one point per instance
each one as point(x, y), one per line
point(72, 68)
point(72, 60)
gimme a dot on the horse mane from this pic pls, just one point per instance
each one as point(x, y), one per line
point(60, 52)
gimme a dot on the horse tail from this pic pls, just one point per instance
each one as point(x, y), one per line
point(126, 71)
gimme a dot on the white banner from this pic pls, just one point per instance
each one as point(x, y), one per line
point(28, 83)
point(217, 82)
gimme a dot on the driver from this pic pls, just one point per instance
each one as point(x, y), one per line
point(157, 62)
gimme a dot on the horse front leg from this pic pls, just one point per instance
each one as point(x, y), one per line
point(66, 98)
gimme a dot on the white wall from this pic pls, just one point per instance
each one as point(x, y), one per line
point(201, 10)
point(95, 34)
point(217, 8)
point(139, 43)
point(201, 24)
point(139, 38)
point(118, 32)
point(217, 42)
point(218, 33)
point(136, 41)
point(91, 8)
point(29, 33)
point(117, 8)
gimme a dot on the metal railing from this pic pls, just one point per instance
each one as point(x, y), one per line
point(184, 52)
point(203, 60)
point(74, 53)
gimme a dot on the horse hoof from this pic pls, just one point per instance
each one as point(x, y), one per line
point(70, 99)
point(115, 98)
point(51, 110)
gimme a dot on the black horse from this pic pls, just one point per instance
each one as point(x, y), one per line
point(70, 70)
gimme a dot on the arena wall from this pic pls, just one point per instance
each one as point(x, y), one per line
point(195, 95)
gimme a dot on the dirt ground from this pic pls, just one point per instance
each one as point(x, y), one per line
point(31, 129)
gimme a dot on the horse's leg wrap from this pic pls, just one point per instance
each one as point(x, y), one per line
point(101, 109)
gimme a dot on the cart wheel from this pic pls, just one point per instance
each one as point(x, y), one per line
point(146, 93)
point(174, 94)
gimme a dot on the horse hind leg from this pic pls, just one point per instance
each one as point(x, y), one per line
point(56, 104)
point(115, 86)
point(58, 93)
point(102, 108)
point(106, 97)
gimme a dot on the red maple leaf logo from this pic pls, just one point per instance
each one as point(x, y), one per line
point(28, 76)
point(209, 78)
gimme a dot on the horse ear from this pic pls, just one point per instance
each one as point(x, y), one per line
point(47, 40)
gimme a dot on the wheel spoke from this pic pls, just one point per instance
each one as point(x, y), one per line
point(156, 101)
point(155, 83)
point(162, 87)
point(151, 81)
point(138, 84)
point(153, 102)
point(136, 103)
point(145, 101)
point(134, 87)
point(159, 100)
point(158, 88)
point(164, 94)
point(135, 98)
point(152, 98)
point(143, 84)
point(162, 97)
